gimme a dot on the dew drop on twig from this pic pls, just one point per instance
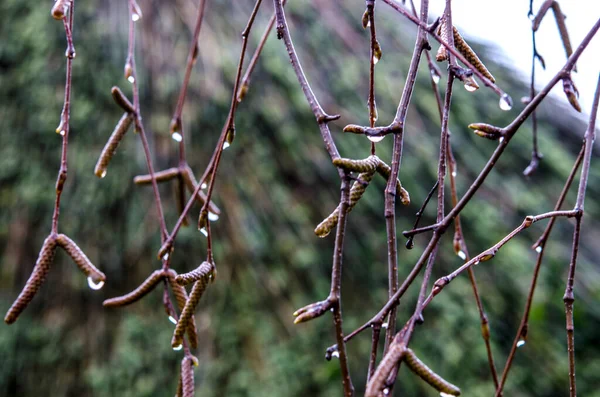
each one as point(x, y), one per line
point(204, 185)
point(470, 87)
point(435, 76)
point(520, 343)
point(538, 249)
point(203, 231)
point(176, 136)
point(212, 217)
point(131, 79)
point(95, 285)
point(135, 17)
point(103, 174)
point(376, 138)
point(461, 254)
point(172, 319)
point(506, 102)
point(335, 354)
point(226, 145)
point(386, 391)
point(442, 394)
point(178, 347)
point(384, 325)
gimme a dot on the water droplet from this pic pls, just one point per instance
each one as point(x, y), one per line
point(131, 79)
point(103, 174)
point(178, 347)
point(538, 249)
point(470, 87)
point(376, 138)
point(135, 17)
point(386, 391)
point(176, 136)
point(501, 139)
point(375, 60)
point(476, 263)
point(226, 145)
point(172, 319)
point(454, 173)
point(212, 217)
point(521, 342)
point(203, 231)
point(95, 285)
point(461, 254)
point(369, 24)
point(335, 354)
point(204, 185)
point(384, 325)
point(435, 76)
point(165, 256)
point(506, 102)
point(62, 132)
point(442, 394)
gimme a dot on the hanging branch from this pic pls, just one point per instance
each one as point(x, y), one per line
point(62, 10)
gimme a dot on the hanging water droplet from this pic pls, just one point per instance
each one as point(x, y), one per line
point(369, 24)
point(226, 145)
point(335, 354)
point(375, 60)
point(204, 185)
point(386, 391)
point(521, 342)
point(506, 102)
point(538, 249)
point(376, 138)
point(178, 347)
point(172, 319)
point(470, 87)
point(442, 394)
point(135, 17)
point(131, 79)
point(212, 217)
point(176, 136)
point(166, 256)
point(103, 174)
point(501, 139)
point(454, 173)
point(62, 132)
point(461, 254)
point(95, 285)
point(435, 76)
point(384, 325)
point(204, 231)
point(476, 263)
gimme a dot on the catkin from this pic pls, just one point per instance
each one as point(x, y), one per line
point(200, 272)
point(181, 297)
point(385, 171)
point(112, 144)
point(35, 281)
point(80, 259)
point(187, 377)
point(138, 293)
point(356, 192)
point(387, 364)
point(188, 311)
point(122, 100)
point(425, 373)
point(461, 45)
point(367, 165)
point(160, 176)
point(442, 53)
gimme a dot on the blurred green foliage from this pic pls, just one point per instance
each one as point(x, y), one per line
point(275, 184)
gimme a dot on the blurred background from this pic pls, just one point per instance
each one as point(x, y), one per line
point(275, 184)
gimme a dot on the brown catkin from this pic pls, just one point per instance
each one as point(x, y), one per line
point(191, 183)
point(387, 364)
point(160, 176)
point(80, 259)
point(356, 192)
point(461, 45)
point(540, 14)
point(425, 373)
point(181, 297)
point(385, 171)
point(138, 293)
point(179, 392)
point(122, 100)
point(187, 377)
point(112, 144)
point(35, 281)
point(562, 28)
point(442, 53)
point(200, 272)
point(188, 311)
point(367, 165)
